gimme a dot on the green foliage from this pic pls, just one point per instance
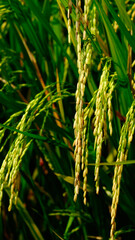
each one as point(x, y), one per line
point(38, 100)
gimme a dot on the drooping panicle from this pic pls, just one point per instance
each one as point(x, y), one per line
point(126, 138)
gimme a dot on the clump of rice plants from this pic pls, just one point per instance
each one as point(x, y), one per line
point(67, 88)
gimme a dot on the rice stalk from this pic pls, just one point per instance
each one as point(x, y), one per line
point(100, 124)
point(10, 166)
point(126, 138)
point(84, 57)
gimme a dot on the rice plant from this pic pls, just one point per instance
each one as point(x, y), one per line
point(67, 123)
